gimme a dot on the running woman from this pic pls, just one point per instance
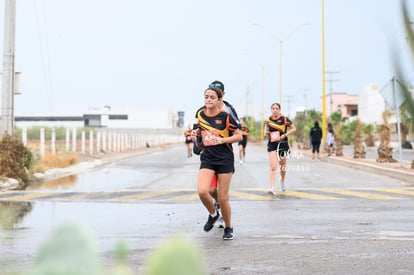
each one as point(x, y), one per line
point(243, 143)
point(188, 141)
point(225, 105)
point(276, 128)
point(218, 130)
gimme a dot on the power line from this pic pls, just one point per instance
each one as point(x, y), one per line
point(44, 52)
point(289, 99)
point(330, 80)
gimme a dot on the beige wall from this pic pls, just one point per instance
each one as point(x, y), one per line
point(338, 102)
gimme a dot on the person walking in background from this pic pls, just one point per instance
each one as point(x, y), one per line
point(189, 141)
point(225, 105)
point(243, 142)
point(277, 128)
point(218, 130)
point(315, 137)
point(330, 138)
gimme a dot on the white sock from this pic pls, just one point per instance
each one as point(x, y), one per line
point(215, 214)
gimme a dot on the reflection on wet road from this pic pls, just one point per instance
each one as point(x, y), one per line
point(107, 179)
point(12, 212)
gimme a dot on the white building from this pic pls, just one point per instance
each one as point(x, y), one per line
point(104, 118)
point(371, 105)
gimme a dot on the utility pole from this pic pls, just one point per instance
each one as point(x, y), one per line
point(331, 80)
point(251, 103)
point(289, 99)
point(262, 109)
point(247, 101)
point(305, 96)
point(7, 93)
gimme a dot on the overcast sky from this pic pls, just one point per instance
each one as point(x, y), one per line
point(161, 54)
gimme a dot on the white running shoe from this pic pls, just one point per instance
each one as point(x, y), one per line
point(282, 184)
point(220, 223)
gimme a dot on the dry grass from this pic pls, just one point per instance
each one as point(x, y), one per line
point(61, 159)
point(49, 161)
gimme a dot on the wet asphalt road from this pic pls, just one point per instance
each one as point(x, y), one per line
point(332, 219)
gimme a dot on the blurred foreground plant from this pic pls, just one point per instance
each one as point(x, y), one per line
point(175, 256)
point(409, 102)
point(69, 250)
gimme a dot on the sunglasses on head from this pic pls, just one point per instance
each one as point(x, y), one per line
point(218, 85)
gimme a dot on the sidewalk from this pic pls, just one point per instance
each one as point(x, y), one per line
point(398, 170)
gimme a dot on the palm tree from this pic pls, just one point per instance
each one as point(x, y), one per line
point(304, 122)
point(358, 143)
point(385, 150)
point(337, 126)
point(368, 129)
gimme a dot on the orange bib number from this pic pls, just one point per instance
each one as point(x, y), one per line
point(207, 138)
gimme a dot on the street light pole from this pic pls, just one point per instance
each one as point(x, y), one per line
point(324, 124)
point(262, 109)
point(280, 70)
point(280, 41)
point(262, 92)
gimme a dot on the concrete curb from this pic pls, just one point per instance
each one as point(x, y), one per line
point(370, 166)
point(376, 169)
